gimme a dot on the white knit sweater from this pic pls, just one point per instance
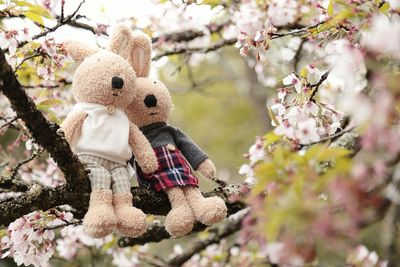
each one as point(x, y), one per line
point(103, 134)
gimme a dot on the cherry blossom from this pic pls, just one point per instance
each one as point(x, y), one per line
point(307, 131)
point(384, 35)
point(292, 79)
point(282, 12)
point(9, 41)
point(362, 257)
point(73, 238)
point(27, 243)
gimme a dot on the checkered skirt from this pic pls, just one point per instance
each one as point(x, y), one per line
point(173, 170)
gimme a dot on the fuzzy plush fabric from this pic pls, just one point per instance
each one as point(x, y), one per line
point(130, 220)
point(135, 48)
point(78, 50)
point(107, 80)
point(100, 219)
point(174, 170)
point(139, 113)
point(207, 169)
point(209, 210)
point(146, 158)
point(180, 219)
point(72, 126)
point(152, 106)
point(92, 82)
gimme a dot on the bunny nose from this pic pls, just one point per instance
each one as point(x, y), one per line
point(117, 82)
point(150, 101)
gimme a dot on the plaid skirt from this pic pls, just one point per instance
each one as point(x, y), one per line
point(173, 170)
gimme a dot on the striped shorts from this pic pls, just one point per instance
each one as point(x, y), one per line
point(106, 174)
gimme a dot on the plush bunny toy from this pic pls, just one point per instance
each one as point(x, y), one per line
point(176, 155)
point(99, 131)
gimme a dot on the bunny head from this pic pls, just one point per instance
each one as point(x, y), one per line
point(152, 101)
point(106, 77)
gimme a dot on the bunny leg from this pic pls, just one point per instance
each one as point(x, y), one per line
point(99, 221)
point(206, 210)
point(131, 221)
point(180, 219)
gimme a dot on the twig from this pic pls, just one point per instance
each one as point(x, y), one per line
point(179, 51)
point(35, 54)
point(277, 35)
point(330, 137)
point(318, 84)
point(54, 28)
point(9, 122)
point(19, 164)
point(54, 227)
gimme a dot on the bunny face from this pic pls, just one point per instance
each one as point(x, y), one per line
point(104, 78)
point(108, 77)
point(152, 103)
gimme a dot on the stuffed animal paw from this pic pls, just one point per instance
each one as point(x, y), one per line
point(207, 169)
point(148, 163)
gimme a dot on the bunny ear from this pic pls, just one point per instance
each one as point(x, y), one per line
point(141, 54)
point(78, 50)
point(119, 41)
point(135, 48)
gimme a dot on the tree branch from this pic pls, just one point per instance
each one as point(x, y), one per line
point(60, 23)
point(213, 47)
point(159, 204)
point(216, 234)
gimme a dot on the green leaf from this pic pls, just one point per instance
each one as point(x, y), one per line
point(34, 17)
point(330, 8)
point(49, 102)
point(384, 8)
point(332, 153)
point(23, 3)
point(271, 138)
point(51, 114)
point(1, 2)
point(40, 11)
point(272, 116)
point(304, 72)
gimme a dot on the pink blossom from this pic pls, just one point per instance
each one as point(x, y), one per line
point(28, 245)
point(292, 79)
point(307, 132)
point(9, 41)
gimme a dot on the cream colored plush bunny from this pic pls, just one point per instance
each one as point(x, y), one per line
point(177, 155)
point(100, 133)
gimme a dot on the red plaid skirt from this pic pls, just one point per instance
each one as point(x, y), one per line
point(173, 170)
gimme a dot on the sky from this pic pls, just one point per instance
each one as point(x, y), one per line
point(101, 11)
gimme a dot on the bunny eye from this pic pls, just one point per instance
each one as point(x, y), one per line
point(155, 82)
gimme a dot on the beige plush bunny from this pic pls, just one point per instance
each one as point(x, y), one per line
point(176, 153)
point(99, 131)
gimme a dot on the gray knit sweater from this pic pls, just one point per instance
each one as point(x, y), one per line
point(161, 134)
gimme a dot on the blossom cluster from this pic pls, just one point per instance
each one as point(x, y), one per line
point(55, 58)
point(28, 241)
point(298, 116)
point(10, 39)
point(73, 239)
point(46, 173)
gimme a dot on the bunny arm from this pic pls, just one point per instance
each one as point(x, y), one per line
point(142, 150)
point(72, 126)
point(197, 158)
point(207, 169)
